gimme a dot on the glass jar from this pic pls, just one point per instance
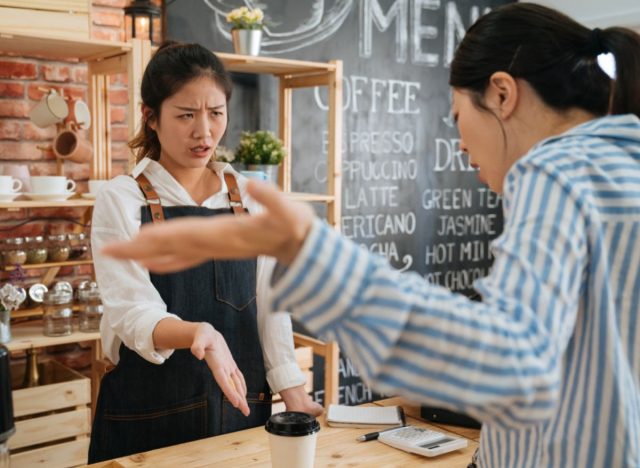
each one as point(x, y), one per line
point(58, 248)
point(36, 249)
point(57, 312)
point(36, 294)
point(14, 251)
point(78, 244)
point(90, 306)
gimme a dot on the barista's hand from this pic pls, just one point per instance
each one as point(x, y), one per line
point(209, 344)
point(279, 232)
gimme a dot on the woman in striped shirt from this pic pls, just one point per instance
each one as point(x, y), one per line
point(549, 361)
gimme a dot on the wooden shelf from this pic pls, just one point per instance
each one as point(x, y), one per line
point(30, 336)
point(310, 197)
point(54, 47)
point(35, 266)
point(73, 203)
point(274, 66)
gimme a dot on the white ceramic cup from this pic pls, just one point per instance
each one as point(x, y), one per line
point(52, 184)
point(21, 172)
point(9, 185)
point(292, 439)
point(52, 109)
point(95, 185)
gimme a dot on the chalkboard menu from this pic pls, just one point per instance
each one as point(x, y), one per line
point(409, 194)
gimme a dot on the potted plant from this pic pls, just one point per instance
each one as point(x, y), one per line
point(261, 151)
point(246, 30)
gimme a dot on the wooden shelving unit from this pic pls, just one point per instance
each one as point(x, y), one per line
point(103, 59)
point(36, 266)
point(295, 74)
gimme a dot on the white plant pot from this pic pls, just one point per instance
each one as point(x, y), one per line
point(246, 41)
point(271, 170)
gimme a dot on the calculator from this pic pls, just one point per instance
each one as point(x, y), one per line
point(421, 441)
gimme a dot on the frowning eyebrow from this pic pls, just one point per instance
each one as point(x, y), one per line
point(197, 108)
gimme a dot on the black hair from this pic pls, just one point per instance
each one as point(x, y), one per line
point(556, 55)
point(172, 66)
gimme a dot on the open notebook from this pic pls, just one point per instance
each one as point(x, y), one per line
point(373, 417)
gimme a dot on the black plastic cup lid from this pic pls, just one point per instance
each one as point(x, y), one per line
point(292, 424)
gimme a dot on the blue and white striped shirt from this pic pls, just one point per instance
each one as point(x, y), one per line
point(549, 361)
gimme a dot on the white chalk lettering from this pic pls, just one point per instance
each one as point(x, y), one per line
point(464, 225)
point(373, 225)
point(439, 253)
point(450, 158)
point(385, 195)
point(364, 94)
point(447, 199)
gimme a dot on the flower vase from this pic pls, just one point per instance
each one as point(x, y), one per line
point(271, 171)
point(5, 326)
point(246, 41)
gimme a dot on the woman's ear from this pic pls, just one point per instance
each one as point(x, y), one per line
point(502, 94)
point(148, 118)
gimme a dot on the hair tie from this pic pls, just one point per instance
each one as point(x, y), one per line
point(595, 43)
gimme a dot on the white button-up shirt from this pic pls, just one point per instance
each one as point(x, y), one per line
point(133, 306)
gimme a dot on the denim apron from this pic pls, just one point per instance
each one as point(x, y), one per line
point(143, 406)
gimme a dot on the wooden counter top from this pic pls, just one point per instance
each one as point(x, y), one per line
point(336, 447)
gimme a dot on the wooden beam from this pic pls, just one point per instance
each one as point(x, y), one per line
point(334, 153)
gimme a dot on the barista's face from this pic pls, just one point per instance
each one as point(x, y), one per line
point(191, 124)
point(481, 137)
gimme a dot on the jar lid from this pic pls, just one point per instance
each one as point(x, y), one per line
point(15, 241)
point(37, 292)
point(57, 297)
point(292, 423)
point(88, 290)
point(63, 286)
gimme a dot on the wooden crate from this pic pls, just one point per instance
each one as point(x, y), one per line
point(53, 420)
point(69, 19)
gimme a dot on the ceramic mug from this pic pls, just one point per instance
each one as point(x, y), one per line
point(52, 184)
point(9, 184)
point(51, 109)
point(20, 172)
point(69, 144)
point(79, 114)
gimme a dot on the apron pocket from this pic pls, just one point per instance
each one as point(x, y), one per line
point(235, 282)
point(260, 410)
point(138, 430)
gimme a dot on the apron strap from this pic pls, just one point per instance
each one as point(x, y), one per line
point(235, 201)
point(153, 200)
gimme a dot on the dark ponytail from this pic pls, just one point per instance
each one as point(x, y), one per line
point(556, 55)
point(171, 67)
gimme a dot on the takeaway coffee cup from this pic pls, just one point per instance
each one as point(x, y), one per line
point(52, 184)
point(95, 185)
point(52, 109)
point(69, 144)
point(292, 439)
point(9, 185)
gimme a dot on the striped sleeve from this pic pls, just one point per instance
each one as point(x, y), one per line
point(497, 360)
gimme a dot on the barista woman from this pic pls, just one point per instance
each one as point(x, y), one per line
point(187, 346)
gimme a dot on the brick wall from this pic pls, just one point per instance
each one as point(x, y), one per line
point(22, 143)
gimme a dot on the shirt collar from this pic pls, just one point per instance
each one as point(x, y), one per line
point(626, 126)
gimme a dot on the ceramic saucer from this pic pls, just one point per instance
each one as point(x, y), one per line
point(49, 196)
point(7, 197)
point(89, 196)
